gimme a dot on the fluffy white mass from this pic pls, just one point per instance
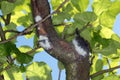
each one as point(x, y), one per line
point(79, 49)
point(38, 18)
point(44, 42)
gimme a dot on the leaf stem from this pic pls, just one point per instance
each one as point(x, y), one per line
point(104, 71)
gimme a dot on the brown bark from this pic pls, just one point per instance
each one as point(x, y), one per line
point(77, 67)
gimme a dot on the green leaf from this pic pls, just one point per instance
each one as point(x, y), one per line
point(68, 8)
point(60, 65)
point(59, 29)
point(25, 48)
point(24, 58)
point(60, 17)
point(38, 71)
point(106, 32)
point(12, 73)
point(100, 6)
point(84, 18)
point(55, 3)
point(111, 48)
point(98, 77)
point(107, 20)
point(6, 48)
point(114, 9)
point(19, 2)
point(7, 7)
point(2, 50)
point(111, 77)
point(99, 65)
point(30, 35)
point(22, 68)
point(80, 5)
point(11, 26)
point(25, 19)
point(86, 34)
point(115, 37)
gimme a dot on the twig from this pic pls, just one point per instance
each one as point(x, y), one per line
point(109, 64)
point(62, 24)
point(59, 75)
point(33, 50)
point(91, 62)
point(33, 26)
point(2, 35)
point(14, 31)
point(104, 71)
point(84, 27)
point(7, 21)
point(61, 5)
point(2, 18)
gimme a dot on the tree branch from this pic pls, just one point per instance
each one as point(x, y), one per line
point(104, 71)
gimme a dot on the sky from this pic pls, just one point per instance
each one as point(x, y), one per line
point(52, 62)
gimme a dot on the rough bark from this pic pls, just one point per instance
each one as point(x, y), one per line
point(77, 67)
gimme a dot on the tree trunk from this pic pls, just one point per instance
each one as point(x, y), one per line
point(77, 67)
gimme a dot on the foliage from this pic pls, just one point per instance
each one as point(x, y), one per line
point(105, 44)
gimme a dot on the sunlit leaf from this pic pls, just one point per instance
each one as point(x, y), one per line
point(100, 6)
point(16, 16)
point(106, 32)
point(12, 73)
point(55, 3)
point(59, 29)
point(29, 35)
point(114, 9)
point(38, 71)
point(107, 20)
point(25, 49)
point(115, 37)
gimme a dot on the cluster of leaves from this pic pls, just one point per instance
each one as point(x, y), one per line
point(105, 44)
point(17, 61)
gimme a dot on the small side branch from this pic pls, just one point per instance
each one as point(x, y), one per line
point(104, 71)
